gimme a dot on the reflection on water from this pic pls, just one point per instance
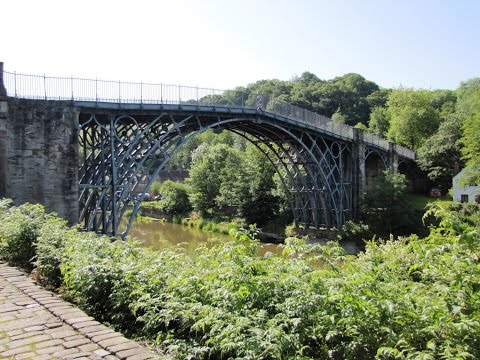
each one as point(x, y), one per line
point(159, 235)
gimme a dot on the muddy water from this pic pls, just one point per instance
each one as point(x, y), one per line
point(159, 235)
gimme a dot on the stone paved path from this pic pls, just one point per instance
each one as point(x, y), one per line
point(37, 324)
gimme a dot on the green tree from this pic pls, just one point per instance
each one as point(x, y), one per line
point(339, 117)
point(361, 126)
point(269, 89)
point(175, 198)
point(467, 110)
point(471, 140)
point(466, 97)
point(440, 152)
point(183, 157)
point(217, 178)
point(386, 209)
point(413, 117)
point(379, 121)
point(305, 94)
point(258, 203)
point(378, 98)
point(353, 92)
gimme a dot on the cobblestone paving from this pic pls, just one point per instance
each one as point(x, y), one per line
point(37, 324)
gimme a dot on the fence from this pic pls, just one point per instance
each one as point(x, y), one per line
point(80, 89)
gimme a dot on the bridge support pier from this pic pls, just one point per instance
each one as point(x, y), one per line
point(39, 154)
point(393, 157)
point(358, 173)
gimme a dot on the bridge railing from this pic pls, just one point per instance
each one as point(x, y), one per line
point(405, 152)
point(376, 140)
point(81, 89)
point(305, 116)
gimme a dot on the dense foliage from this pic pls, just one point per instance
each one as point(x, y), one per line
point(174, 198)
point(226, 181)
point(440, 152)
point(440, 125)
point(471, 128)
point(408, 298)
point(387, 209)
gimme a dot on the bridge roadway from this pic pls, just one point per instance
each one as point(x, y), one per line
point(291, 114)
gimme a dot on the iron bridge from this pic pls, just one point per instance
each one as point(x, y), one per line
point(125, 146)
point(129, 131)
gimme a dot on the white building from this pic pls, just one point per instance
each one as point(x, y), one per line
point(465, 193)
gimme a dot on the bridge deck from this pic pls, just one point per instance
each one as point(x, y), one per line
point(320, 124)
point(108, 94)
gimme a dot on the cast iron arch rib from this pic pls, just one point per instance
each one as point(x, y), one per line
point(124, 150)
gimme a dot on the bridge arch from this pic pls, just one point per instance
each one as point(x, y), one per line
point(376, 163)
point(122, 151)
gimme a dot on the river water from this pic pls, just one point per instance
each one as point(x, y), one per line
point(159, 235)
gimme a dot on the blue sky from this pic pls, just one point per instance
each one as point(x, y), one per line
point(222, 44)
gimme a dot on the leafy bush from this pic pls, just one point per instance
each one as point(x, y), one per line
point(5, 204)
point(155, 188)
point(355, 231)
point(408, 298)
point(94, 277)
point(175, 198)
point(53, 237)
point(19, 231)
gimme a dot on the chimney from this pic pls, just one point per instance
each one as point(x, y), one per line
point(456, 168)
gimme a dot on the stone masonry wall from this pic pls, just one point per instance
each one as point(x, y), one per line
point(39, 154)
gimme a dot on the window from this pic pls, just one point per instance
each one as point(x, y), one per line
point(464, 198)
point(477, 199)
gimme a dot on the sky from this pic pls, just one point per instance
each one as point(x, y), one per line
point(428, 44)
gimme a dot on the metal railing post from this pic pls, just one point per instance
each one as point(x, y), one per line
point(45, 86)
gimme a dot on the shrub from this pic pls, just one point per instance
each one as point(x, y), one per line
point(175, 199)
point(94, 270)
point(408, 298)
point(357, 232)
point(5, 204)
point(19, 231)
point(155, 188)
point(54, 236)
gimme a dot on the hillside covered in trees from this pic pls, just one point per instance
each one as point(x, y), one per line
point(442, 126)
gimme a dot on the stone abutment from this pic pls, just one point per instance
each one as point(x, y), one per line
point(39, 154)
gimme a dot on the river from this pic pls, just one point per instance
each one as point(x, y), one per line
point(159, 235)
